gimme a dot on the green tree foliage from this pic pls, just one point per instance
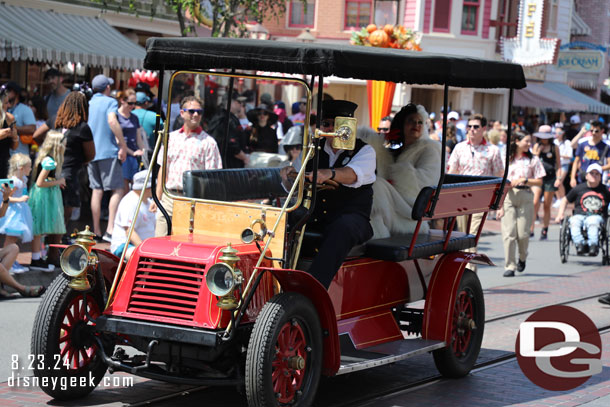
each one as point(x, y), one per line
point(226, 18)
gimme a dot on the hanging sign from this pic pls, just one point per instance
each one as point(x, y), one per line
point(528, 48)
point(581, 61)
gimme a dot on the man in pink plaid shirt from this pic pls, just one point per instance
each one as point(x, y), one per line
point(189, 148)
point(475, 156)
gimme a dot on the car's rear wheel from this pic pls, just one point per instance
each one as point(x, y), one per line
point(284, 358)
point(467, 327)
point(62, 339)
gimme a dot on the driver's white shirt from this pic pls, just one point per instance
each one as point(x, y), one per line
point(363, 164)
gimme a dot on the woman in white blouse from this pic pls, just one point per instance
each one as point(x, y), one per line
point(566, 154)
point(525, 170)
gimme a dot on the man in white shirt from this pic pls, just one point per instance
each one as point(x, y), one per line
point(340, 215)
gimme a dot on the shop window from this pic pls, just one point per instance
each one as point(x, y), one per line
point(470, 14)
point(386, 12)
point(357, 13)
point(442, 15)
point(301, 17)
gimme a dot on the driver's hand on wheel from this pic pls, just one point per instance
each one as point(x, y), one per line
point(323, 176)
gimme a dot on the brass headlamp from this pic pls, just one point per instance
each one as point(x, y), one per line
point(76, 260)
point(222, 278)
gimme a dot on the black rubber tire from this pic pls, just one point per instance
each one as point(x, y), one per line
point(564, 240)
point(447, 362)
point(46, 342)
point(282, 309)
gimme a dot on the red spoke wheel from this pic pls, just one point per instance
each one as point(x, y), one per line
point(284, 358)
point(467, 327)
point(62, 340)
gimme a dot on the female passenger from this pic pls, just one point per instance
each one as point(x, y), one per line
point(524, 171)
point(548, 153)
point(403, 172)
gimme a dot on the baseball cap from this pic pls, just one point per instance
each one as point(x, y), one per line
point(595, 167)
point(575, 119)
point(101, 81)
point(453, 115)
point(138, 181)
point(143, 87)
point(142, 98)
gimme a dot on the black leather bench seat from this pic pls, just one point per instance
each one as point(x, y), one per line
point(396, 248)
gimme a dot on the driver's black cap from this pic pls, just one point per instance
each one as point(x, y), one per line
point(334, 108)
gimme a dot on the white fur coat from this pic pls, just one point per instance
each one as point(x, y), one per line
point(416, 167)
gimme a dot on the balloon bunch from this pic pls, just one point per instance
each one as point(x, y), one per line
point(148, 77)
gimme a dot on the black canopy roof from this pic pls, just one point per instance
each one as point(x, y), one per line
point(346, 61)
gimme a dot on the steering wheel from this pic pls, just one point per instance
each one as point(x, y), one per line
point(329, 184)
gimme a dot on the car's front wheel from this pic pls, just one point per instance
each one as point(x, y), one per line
point(62, 341)
point(284, 358)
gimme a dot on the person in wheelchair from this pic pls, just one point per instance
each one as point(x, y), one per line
point(591, 200)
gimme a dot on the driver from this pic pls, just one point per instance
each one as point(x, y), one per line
point(340, 215)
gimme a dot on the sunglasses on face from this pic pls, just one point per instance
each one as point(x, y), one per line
point(131, 103)
point(328, 123)
point(295, 147)
point(473, 126)
point(193, 111)
point(383, 129)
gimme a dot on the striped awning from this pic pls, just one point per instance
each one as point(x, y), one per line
point(593, 105)
point(579, 27)
point(45, 36)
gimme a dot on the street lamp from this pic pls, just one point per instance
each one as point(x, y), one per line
point(258, 31)
point(306, 36)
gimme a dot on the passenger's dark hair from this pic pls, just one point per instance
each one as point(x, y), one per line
point(399, 120)
point(480, 118)
point(517, 136)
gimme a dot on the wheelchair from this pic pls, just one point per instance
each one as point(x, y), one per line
point(565, 240)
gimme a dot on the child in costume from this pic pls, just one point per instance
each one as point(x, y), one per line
point(17, 222)
point(45, 198)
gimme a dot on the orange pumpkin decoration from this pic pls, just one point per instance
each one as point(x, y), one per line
point(379, 38)
point(389, 29)
point(371, 27)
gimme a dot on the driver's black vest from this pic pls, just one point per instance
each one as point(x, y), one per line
point(330, 203)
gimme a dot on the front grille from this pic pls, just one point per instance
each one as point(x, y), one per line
point(166, 288)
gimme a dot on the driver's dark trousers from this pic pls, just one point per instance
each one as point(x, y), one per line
point(339, 236)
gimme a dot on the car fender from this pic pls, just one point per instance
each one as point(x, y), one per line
point(442, 291)
point(305, 284)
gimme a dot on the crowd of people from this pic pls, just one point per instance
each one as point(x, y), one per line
point(46, 146)
point(110, 136)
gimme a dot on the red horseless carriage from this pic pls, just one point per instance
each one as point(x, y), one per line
point(223, 300)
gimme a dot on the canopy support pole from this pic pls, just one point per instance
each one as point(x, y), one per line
point(153, 182)
point(500, 191)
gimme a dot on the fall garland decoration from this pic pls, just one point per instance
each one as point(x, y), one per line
point(389, 36)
